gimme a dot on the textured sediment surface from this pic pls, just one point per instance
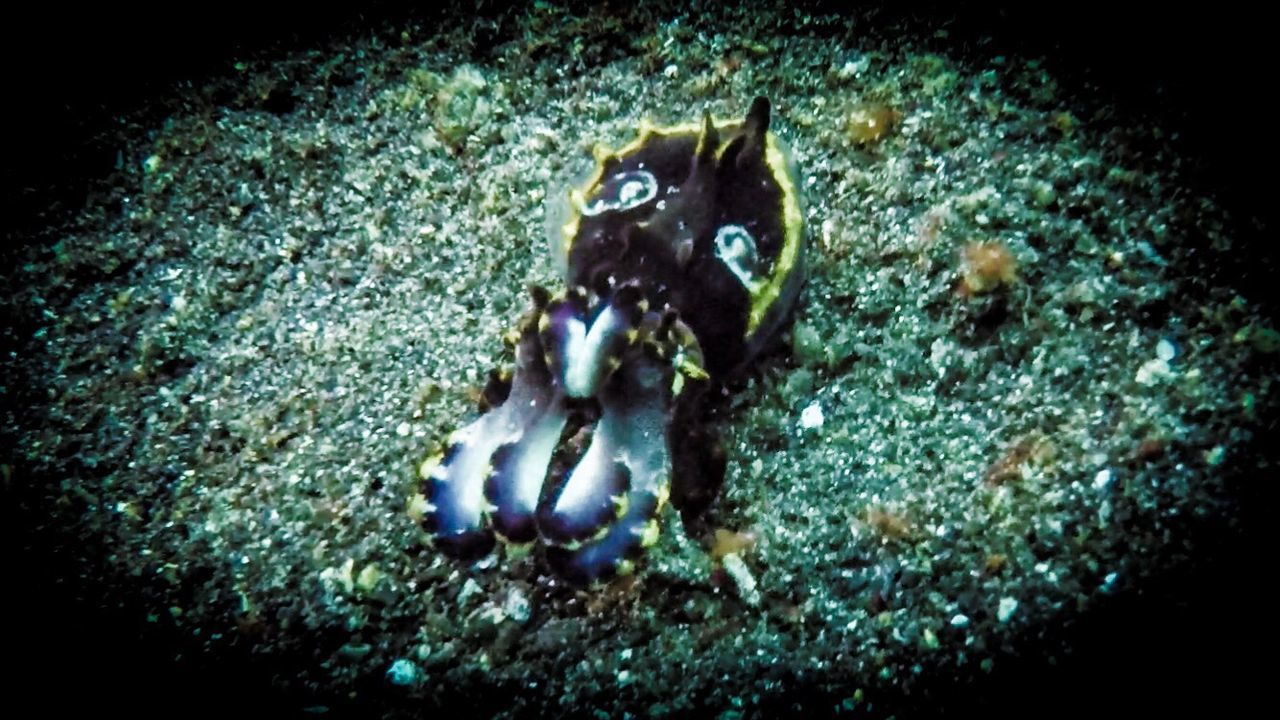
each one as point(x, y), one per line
point(1023, 388)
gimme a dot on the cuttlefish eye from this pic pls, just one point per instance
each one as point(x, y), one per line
point(737, 250)
point(622, 191)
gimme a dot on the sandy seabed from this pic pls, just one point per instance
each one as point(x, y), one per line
point(290, 286)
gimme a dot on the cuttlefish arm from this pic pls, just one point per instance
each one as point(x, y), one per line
point(489, 477)
point(599, 521)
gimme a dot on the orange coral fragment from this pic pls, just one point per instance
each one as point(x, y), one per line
point(617, 593)
point(986, 266)
point(727, 65)
point(994, 563)
point(888, 524)
point(729, 542)
point(1030, 449)
point(869, 123)
point(1150, 449)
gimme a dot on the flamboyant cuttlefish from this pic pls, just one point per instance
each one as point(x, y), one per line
point(682, 256)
